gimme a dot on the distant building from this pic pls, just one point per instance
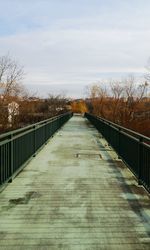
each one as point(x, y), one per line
point(13, 110)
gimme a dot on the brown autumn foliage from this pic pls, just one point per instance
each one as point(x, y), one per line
point(17, 107)
point(125, 103)
point(29, 110)
point(79, 106)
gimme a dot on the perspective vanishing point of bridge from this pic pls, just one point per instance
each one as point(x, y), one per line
point(76, 194)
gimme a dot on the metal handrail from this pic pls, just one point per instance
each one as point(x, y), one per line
point(17, 147)
point(129, 131)
point(19, 130)
point(133, 148)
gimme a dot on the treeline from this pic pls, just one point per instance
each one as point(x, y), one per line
point(18, 108)
point(126, 103)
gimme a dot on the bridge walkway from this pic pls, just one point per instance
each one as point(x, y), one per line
point(75, 195)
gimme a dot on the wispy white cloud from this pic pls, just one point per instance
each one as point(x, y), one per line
point(62, 47)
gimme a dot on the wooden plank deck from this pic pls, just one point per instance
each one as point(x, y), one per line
point(75, 195)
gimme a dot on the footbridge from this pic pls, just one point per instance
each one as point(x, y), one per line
point(86, 187)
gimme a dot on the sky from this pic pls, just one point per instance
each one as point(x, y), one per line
point(65, 45)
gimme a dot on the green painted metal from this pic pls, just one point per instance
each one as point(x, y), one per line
point(18, 146)
point(132, 147)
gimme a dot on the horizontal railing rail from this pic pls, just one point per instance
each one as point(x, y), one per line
point(133, 148)
point(19, 146)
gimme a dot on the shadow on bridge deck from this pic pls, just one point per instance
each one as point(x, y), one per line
point(75, 194)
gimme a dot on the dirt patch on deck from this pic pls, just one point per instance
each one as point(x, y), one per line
point(25, 200)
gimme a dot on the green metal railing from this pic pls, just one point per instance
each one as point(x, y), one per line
point(17, 147)
point(132, 147)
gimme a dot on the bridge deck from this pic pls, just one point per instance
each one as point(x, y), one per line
point(75, 194)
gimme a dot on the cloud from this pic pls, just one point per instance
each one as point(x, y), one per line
point(74, 42)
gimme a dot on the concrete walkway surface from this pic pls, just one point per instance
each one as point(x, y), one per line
point(75, 195)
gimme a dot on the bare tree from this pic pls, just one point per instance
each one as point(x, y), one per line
point(56, 103)
point(147, 75)
point(11, 89)
point(97, 94)
point(125, 102)
point(11, 74)
point(142, 90)
point(117, 92)
point(129, 87)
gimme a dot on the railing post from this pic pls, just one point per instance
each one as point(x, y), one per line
point(45, 123)
point(119, 132)
point(11, 156)
point(34, 141)
point(139, 160)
